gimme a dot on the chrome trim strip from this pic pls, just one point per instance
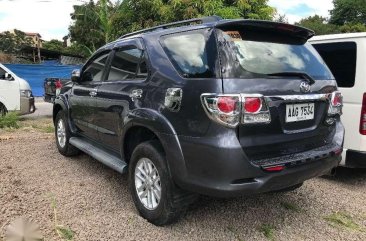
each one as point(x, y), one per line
point(300, 97)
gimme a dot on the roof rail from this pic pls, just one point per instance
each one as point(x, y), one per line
point(209, 19)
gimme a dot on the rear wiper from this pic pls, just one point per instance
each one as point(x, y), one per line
point(296, 74)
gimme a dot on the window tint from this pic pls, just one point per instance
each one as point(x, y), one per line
point(341, 59)
point(128, 64)
point(261, 55)
point(189, 53)
point(94, 71)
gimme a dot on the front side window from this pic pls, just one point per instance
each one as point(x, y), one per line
point(341, 58)
point(192, 53)
point(2, 74)
point(128, 64)
point(258, 55)
point(94, 70)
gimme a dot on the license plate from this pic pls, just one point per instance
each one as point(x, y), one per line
point(299, 112)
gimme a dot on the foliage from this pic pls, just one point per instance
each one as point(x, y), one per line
point(343, 220)
point(353, 28)
point(99, 23)
point(267, 230)
point(319, 25)
point(10, 120)
point(348, 11)
point(93, 25)
point(54, 44)
point(65, 233)
point(6, 58)
point(12, 43)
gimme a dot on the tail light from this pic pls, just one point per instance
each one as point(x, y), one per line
point(230, 109)
point(223, 109)
point(58, 84)
point(363, 116)
point(336, 103)
point(255, 109)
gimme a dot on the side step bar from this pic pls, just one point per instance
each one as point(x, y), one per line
point(101, 155)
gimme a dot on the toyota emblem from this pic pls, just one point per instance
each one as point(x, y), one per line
point(304, 87)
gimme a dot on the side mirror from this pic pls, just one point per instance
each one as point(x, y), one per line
point(8, 76)
point(75, 75)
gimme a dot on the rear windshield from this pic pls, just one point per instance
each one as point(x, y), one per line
point(263, 55)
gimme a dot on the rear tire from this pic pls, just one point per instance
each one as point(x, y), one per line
point(62, 134)
point(3, 110)
point(148, 173)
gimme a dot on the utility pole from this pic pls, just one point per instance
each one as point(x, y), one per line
point(39, 51)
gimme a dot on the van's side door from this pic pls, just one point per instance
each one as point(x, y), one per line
point(83, 97)
point(121, 92)
point(9, 91)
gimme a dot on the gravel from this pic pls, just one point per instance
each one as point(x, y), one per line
point(94, 202)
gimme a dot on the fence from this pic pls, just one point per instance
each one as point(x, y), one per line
point(36, 73)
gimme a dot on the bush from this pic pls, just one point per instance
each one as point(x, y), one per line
point(10, 120)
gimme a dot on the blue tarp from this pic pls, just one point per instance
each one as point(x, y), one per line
point(36, 73)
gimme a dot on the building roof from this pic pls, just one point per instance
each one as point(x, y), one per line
point(33, 34)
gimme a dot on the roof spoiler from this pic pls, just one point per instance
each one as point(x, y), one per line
point(293, 30)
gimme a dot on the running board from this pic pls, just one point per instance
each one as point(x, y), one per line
point(101, 155)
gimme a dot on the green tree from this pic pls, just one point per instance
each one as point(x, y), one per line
point(348, 11)
point(353, 28)
point(13, 43)
point(139, 14)
point(54, 45)
point(98, 23)
point(319, 25)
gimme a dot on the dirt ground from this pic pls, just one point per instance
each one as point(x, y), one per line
point(92, 202)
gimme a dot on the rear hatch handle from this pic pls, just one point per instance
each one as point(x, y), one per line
point(302, 75)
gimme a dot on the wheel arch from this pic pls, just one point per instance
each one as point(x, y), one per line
point(146, 124)
point(58, 105)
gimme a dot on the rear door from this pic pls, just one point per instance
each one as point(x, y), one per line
point(83, 97)
point(291, 76)
point(121, 92)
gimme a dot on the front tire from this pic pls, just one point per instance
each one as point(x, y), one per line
point(154, 193)
point(3, 110)
point(62, 134)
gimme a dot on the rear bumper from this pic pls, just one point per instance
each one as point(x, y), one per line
point(220, 167)
point(27, 105)
point(355, 159)
point(49, 98)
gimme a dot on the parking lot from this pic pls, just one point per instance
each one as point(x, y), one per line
point(93, 201)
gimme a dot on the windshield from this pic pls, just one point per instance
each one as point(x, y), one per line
point(262, 56)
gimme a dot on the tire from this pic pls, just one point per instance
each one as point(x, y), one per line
point(3, 110)
point(173, 201)
point(63, 136)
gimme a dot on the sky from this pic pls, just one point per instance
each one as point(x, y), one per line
point(51, 18)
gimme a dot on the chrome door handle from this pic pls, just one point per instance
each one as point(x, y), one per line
point(93, 93)
point(136, 94)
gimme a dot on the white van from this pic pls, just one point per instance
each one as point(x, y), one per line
point(15, 93)
point(345, 55)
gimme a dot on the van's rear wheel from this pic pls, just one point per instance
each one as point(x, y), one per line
point(154, 193)
point(63, 135)
point(3, 110)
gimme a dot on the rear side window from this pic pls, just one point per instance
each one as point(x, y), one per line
point(341, 58)
point(128, 64)
point(251, 54)
point(192, 53)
